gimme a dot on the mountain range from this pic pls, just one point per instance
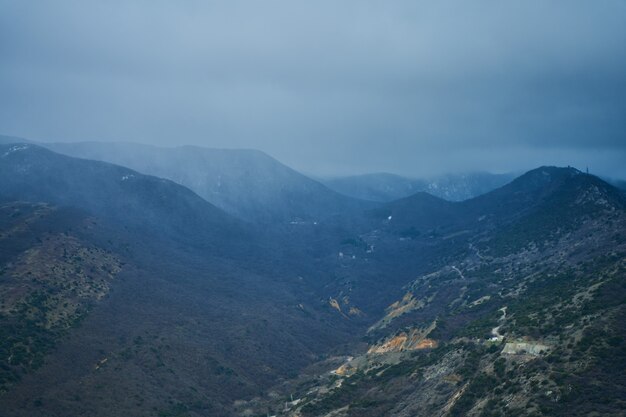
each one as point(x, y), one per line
point(386, 187)
point(253, 186)
point(135, 282)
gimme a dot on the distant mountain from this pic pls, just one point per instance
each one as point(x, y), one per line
point(423, 211)
point(381, 187)
point(385, 187)
point(33, 173)
point(247, 183)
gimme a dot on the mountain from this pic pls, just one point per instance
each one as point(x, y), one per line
point(526, 318)
point(384, 187)
point(126, 294)
point(33, 173)
point(423, 212)
point(246, 183)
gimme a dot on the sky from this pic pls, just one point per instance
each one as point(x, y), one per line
point(412, 87)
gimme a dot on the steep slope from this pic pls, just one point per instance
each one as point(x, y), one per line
point(51, 278)
point(246, 183)
point(527, 319)
point(384, 187)
point(146, 203)
point(137, 299)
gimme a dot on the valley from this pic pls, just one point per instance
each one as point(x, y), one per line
point(537, 330)
point(128, 294)
point(312, 209)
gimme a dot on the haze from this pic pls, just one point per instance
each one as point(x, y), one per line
point(415, 88)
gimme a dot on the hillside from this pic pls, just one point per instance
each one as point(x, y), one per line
point(527, 319)
point(32, 173)
point(128, 294)
point(246, 183)
point(423, 213)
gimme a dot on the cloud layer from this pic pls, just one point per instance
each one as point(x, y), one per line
point(328, 87)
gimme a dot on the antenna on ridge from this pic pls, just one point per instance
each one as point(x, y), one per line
point(587, 169)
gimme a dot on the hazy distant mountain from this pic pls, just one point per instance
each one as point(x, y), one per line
point(33, 173)
point(381, 187)
point(385, 187)
point(424, 213)
point(247, 183)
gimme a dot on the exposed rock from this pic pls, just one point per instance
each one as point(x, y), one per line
point(415, 339)
point(406, 304)
point(530, 348)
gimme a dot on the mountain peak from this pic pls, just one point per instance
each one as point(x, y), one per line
point(539, 177)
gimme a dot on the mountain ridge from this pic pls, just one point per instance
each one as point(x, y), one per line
point(247, 183)
point(111, 191)
point(386, 187)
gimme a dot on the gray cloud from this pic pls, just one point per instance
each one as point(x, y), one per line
point(328, 87)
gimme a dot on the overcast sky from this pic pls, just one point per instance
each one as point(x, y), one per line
point(328, 87)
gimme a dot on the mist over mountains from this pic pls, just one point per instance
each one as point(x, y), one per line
point(387, 187)
point(246, 183)
point(312, 209)
point(256, 187)
point(198, 282)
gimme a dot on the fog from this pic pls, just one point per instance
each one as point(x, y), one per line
point(410, 87)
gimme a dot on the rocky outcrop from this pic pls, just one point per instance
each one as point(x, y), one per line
point(414, 339)
point(520, 348)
